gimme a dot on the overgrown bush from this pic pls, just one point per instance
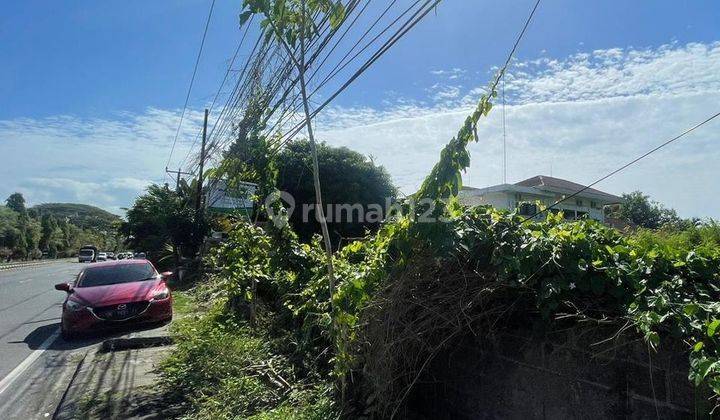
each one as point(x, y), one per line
point(704, 237)
point(348, 178)
point(224, 368)
point(407, 292)
point(484, 264)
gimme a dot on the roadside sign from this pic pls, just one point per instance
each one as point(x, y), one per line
point(231, 199)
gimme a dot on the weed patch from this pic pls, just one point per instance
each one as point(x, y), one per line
point(223, 368)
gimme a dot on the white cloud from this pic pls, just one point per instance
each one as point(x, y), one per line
point(443, 93)
point(453, 73)
point(579, 117)
point(667, 70)
point(103, 162)
point(582, 116)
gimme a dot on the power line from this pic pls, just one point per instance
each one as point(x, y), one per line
point(192, 80)
point(644, 155)
point(391, 41)
point(314, 56)
point(407, 26)
point(236, 93)
point(273, 86)
point(504, 135)
point(345, 32)
point(396, 37)
point(340, 66)
point(227, 73)
point(288, 65)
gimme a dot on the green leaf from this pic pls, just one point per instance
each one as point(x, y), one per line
point(705, 366)
point(654, 338)
point(337, 15)
point(244, 16)
point(691, 309)
point(698, 346)
point(678, 264)
point(712, 327)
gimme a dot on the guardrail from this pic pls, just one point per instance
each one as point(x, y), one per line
point(22, 264)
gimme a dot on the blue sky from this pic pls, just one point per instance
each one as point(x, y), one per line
point(109, 78)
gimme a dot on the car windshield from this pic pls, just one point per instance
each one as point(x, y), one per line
point(85, 252)
point(115, 274)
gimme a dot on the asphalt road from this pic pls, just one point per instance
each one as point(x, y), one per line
point(29, 309)
point(36, 365)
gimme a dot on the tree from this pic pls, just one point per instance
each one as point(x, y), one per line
point(163, 217)
point(47, 229)
point(249, 159)
point(291, 23)
point(30, 232)
point(639, 209)
point(350, 181)
point(16, 203)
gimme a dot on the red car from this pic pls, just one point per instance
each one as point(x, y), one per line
point(115, 293)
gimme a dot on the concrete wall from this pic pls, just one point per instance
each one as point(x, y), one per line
point(521, 375)
point(499, 200)
point(508, 201)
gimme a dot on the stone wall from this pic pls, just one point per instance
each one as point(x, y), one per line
point(576, 373)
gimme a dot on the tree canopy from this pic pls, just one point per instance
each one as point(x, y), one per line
point(81, 215)
point(640, 210)
point(162, 222)
point(28, 233)
point(16, 202)
point(347, 178)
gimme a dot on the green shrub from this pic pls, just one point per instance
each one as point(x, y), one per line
point(665, 283)
point(223, 368)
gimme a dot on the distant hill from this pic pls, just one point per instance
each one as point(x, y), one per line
point(81, 215)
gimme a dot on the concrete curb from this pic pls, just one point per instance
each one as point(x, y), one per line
point(24, 264)
point(133, 343)
point(96, 360)
point(56, 414)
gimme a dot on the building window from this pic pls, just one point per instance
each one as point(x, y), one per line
point(527, 209)
point(593, 205)
point(579, 202)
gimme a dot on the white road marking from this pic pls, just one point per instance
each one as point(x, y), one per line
point(10, 378)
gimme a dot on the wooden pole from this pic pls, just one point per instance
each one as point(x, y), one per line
point(198, 201)
point(316, 169)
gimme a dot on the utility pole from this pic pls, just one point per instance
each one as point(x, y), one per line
point(198, 202)
point(504, 165)
point(177, 180)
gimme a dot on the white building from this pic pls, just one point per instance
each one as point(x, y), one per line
point(542, 190)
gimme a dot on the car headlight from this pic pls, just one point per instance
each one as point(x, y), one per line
point(74, 306)
point(161, 294)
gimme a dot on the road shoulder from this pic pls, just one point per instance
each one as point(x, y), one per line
point(118, 379)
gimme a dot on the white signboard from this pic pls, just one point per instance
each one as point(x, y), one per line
point(236, 199)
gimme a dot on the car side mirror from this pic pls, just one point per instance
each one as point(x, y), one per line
point(65, 287)
point(166, 275)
